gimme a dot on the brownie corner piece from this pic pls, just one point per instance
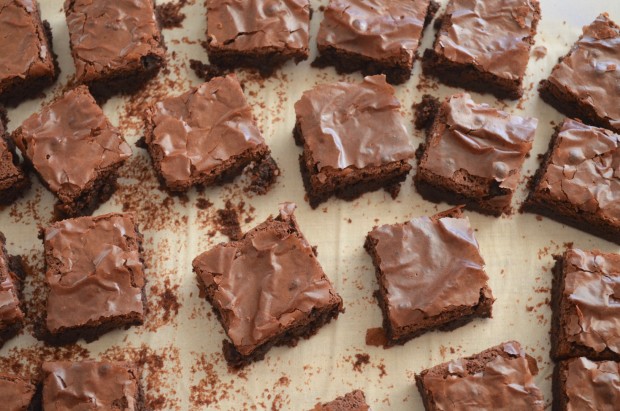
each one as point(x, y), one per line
point(13, 179)
point(579, 84)
point(352, 401)
point(418, 294)
point(285, 294)
point(473, 155)
point(11, 285)
point(16, 393)
point(366, 147)
point(257, 33)
point(205, 136)
point(584, 306)
point(486, 380)
point(484, 46)
point(578, 182)
point(95, 277)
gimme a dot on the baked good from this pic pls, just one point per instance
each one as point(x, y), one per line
point(419, 292)
point(261, 34)
point(499, 378)
point(373, 36)
point(16, 393)
point(584, 83)
point(13, 180)
point(582, 384)
point(27, 61)
point(101, 385)
point(95, 276)
point(585, 318)
point(116, 45)
point(354, 140)
point(473, 155)
point(204, 136)
point(11, 284)
point(578, 182)
point(484, 46)
point(266, 289)
point(74, 150)
point(353, 401)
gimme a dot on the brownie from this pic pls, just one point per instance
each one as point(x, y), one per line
point(205, 136)
point(267, 288)
point(354, 140)
point(75, 151)
point(484, 46)
point(585, 306)
point(353, 401)
point(584, 83)
point(13, 180)
point(578, 182)
point(373, 36)
point(16, 394)
point(261, 34)
point(27, 61)
point(499, 378)
point(473, 155)
point(11, 284)
point(82, 385)
point(116, 45)
point(95, 276)
point(430, 273)
point(582, 384)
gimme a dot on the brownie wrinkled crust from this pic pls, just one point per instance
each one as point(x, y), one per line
point(353, 401)
point(15, 393)
point(585, 385)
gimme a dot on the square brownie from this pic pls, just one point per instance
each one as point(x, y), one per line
point(75, 151)
point(267, 289)
point(16, 394)
point(101, 385)
point(11, 284)
point(373, 36)
point(585, 83)
point(95, 276)
point(484, 46)
point(354, 140)
point(582, 384)
point(27, 61)
point(578, 182)
point(585, 306)
point(473, 155)
point(205, 136)
point(261, 34)
point(418, 294)
point(116, 45)
point(353, 401)
point(13, 180)
point(499, 378)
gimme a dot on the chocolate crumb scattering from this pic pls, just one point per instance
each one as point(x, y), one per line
point(206, 71)
point(360, 361)
point(262, 175)
point(169, 14)
point(228, 221)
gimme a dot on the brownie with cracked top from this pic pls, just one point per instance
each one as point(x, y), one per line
point(13, 179)
point(354, 140)
point(16, 393)
point(11, 285)
point(578, 182)
point(267, 289)
point(473, 155)
point(352, 401)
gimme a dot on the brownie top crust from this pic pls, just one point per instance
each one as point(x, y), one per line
point(201, 129)
point(258, 24)
point(481, 140)
point(94, 263)
point(428, 265)
point(353, 401)
point(266, 282)
point(24, 47)
point(111, 36)
point(15, 393)
point(353, 125)
point(10, 311)
point(374, 28)
point(592, 386)
point(592, 291)
point(491, 35)
point(500, 378)
point(584, 169)
point(592, 69)
point(90, 385)
point(70, 140)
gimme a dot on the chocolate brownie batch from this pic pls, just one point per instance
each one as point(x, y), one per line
point(268, 288)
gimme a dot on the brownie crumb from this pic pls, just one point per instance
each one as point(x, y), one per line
point(206, 71)
point(425, 111)
point(376, 337)
point(360, 361)
point(169, 14)
point(539, 52)
point(228, 222)
point(203, 203)
point(262, 175)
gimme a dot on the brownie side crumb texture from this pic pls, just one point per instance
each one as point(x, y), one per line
point(425, 111)
point(352, 401)
point(13, 179)
point(262, 175)
point(169, 14)
point(11, 286)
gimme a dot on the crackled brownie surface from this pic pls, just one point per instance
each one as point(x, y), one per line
point(353, 401)
point(15, 393)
